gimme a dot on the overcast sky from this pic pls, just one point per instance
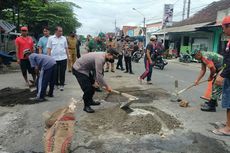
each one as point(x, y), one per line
point(100, 15)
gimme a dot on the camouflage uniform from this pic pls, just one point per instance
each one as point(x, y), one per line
point(213, 60)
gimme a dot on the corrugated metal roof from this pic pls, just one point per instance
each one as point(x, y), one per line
point(187, 28)
point(6, 26)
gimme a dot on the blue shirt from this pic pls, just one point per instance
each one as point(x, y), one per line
point(43, 43)
point(41, 61)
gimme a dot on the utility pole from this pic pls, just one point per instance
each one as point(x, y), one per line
point(115, 23)
point(144, 28)
point(188, 11)
point(184, 7)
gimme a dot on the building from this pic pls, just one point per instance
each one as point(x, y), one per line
point(129, 30)
point(201, 31)
point(152, 28)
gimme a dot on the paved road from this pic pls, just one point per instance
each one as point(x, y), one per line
point(23, 123)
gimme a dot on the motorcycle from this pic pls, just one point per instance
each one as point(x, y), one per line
point(136, 56)
point(185, 58)
point(159, 61)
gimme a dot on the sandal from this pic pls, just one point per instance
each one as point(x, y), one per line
point(218, 132)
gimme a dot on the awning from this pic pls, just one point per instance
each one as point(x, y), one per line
point(186, 28)
point(7, 27)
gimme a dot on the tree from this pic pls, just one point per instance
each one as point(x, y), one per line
point(39, 13)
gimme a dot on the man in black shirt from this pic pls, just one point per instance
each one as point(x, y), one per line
point(148, 60)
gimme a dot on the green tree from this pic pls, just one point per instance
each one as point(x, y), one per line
point(39, 13)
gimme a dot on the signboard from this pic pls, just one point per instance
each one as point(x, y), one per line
point(168, 15)
point(130, 33)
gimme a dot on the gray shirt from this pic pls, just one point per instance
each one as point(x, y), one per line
point(41, 61)
point(92, 62)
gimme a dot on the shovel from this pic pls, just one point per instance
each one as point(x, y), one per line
point(131, 99)
point(175, 95)
point(189, 87)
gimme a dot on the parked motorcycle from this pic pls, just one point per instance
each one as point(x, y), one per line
point(160, 62)
point(136, 56)
point(186, 58)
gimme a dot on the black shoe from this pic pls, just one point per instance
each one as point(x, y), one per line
point(118, 68)
point(50, 95)
point(113, 71)
point(38, 100)
point(131, 72)
point(208, 108)
point(95, 103)
point(126, 72)
point(88, 109)
point(122, 69)
point(106, 71)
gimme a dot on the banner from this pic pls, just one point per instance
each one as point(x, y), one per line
point(168, 15)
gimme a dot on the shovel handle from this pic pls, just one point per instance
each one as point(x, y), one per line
point(192, 85)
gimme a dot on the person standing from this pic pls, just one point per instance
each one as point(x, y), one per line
point(42, 43)
point(24, 42)
point(78, 47)
point(82, 69)
point(111, 44)
point(72, 45)
point(128, 49)
point(224, 78)
point(148, 60)
point(121, 54)
point(44, 65)
point(57, 47)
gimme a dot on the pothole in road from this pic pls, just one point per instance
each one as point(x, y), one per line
point(141, 121)
point(10, 97)
point(145, 96)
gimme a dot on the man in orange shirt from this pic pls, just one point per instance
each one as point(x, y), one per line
point(24, 42)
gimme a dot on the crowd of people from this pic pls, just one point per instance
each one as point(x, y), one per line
point(63, 51)
point(122, 44)
point(56, 52)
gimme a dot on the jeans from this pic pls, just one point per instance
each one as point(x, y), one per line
point(60, 72)
point(148, 70)
point(85, 83)
point(226, 94)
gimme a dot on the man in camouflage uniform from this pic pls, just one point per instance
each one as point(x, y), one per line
point(100, 43)
point(214, 62)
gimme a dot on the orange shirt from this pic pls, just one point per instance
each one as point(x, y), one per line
point(22, 44)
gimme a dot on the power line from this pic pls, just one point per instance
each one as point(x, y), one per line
point(193, 10)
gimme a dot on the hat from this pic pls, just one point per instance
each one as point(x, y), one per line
point(26, 52)
point(24, 29)
point(153, 37)
point(113, 52)
point(195, 51)
point(226, 20)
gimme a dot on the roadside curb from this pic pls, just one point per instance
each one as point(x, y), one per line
point(195, 65)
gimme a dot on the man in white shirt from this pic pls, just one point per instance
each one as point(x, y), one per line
point(57, 48)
